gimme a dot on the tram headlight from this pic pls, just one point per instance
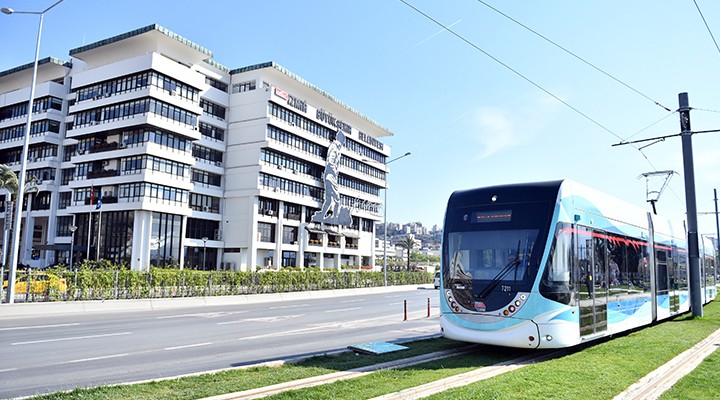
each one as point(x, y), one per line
point(517, 303)
point(512, 309)
point(549, 338)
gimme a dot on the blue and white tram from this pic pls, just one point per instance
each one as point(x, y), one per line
point(555, 264)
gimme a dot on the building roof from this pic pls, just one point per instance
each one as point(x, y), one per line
point(277, 67)
point(138, 32)
point(151, 38)
point(46, 60)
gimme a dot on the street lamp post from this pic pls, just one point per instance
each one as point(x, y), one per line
point(72, 229)
point(204, 239)
point(385, 233)
point(24, 155)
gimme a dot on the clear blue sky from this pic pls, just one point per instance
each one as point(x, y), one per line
point(468, 120)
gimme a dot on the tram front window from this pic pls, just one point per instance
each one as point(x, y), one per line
point(490, 266)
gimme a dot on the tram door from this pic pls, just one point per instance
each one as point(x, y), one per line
point(669, 278)
point(591, 281)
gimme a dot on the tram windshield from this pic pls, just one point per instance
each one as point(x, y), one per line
point(491, 253)
point(492, 256)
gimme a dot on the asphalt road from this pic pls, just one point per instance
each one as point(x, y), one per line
point(46, 353)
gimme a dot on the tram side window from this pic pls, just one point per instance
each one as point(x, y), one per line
point(681, 278)
point(638, 271)
point(710, 271)
point(661, 260)
point(617, 264)
point(557, 283)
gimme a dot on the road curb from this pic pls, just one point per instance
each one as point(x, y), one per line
point(19, 310)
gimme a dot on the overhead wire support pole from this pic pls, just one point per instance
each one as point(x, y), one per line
point(692, 233)
point(15, 245)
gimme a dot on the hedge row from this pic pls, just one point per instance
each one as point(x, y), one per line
point(122, 283)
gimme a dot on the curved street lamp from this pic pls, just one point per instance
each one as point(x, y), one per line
point(24, 154)
point(204, 239)
point(385, 234)
point(72, 229)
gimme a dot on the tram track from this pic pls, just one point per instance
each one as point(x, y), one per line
point(470, 377)
point(654, 384)
point(410, 393)
point(265, 391)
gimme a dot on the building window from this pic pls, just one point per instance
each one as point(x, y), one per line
point(207, 154)
point(292, 211)
point(289, 258)
point(205, 178)
point(290, 234)
point(267, 206)
point(200, 228)
point(210, 108)
point(63, 225)
point(367, 225)
point(64, 200)
point(216, 84)
point(266, 233)
point(244, 87)
point(212, 132)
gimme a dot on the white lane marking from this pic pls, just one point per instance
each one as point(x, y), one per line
point(292, 306)
point(353, 301)
point(70, 338)
point(18, 328)
point(188, 346)
point(8, 370)
point(95, 358)
point(344, 309)
point(203, 315)
point(374, 322)
point(262, 319)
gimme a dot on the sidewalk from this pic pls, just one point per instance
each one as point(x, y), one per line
point(20, 310)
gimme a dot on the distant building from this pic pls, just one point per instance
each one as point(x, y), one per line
point(158, 155)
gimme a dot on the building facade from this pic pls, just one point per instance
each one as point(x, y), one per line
point(145, 151)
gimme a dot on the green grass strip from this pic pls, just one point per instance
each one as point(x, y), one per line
point(702, 383)
point(237, 380)
point(603, 370)
point(389, 381)
point(599, 371)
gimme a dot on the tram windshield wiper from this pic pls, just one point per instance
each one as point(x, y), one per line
point(513, 264)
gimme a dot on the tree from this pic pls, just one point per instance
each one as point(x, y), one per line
point(408, 243)
point(8, 179)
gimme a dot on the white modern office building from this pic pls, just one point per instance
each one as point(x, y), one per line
point(145, 151)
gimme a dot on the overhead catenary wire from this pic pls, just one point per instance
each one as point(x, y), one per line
point(707, 26)
point(649, 126)
point(586, 62)
point(508, 67)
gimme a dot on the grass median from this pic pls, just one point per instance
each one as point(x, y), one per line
point(598, 371)
point(603, 370)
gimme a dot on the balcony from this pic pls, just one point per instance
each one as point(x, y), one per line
point(101, 147)
point(105, 200)
point(101, 173)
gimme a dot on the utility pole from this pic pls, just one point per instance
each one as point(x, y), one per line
point(717, 237)
point(692, 233)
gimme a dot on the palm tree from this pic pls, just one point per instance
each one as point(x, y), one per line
point(8, 179)
point(408, 243)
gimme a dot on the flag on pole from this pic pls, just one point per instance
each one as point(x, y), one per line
point(99, 202)
point(92, 193)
